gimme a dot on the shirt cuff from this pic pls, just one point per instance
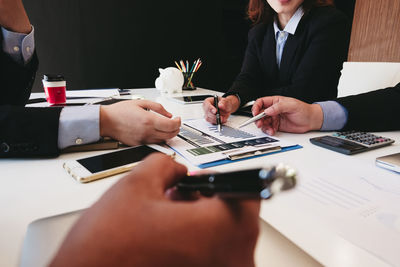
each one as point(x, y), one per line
point(78, 126)
point(19, 46)
point(335, 115)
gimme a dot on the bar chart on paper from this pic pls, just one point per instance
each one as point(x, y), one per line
point(200, 142)
point(194, 137)
point(206, 144)
point(228, 132)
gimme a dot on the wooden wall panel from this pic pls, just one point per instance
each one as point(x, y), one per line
point(376, 31)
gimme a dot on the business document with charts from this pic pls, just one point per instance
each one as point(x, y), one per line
point(200, 142)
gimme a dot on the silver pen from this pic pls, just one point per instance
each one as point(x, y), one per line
point(255, 118)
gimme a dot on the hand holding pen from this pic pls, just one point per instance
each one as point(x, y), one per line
point(287, 114)
point(226, 105)
point(217, 115)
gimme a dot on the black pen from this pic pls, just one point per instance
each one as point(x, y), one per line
point(218, 115)
point(254, 183)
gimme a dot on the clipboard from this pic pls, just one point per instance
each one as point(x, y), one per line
point(247, 152)
point(227, 161)
point(249, 156)
point(204, 146)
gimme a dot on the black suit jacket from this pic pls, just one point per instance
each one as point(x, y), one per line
point(311, 60)
point(24, 132)
point(373, 111)
point(16, 80)
point(28, 132)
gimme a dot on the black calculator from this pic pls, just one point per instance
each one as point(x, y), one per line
point(351, 142)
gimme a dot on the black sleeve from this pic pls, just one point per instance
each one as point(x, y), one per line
point(29, 132)
point(16, 80)
point(247, 83)
point(373, 111)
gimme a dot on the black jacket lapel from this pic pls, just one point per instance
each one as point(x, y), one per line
point(288, 55)
point(269, 53)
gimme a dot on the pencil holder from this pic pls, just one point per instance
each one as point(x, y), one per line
point(188, 81)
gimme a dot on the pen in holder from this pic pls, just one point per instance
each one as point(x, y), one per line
point(189, 72)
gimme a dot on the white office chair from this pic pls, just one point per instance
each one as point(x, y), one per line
point(362, 77)
point(45, 236)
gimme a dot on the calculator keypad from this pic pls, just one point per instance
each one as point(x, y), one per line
point(366, 139)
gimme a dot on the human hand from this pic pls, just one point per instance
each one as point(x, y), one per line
point(13, 16)
point(227, 105)
point(129, 122)
point(135, 223)
point(287, 114)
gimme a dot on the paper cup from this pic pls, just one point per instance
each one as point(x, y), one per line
point(55, 89)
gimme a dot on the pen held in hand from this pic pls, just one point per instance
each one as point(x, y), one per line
point(218, 115)
point(252, 183)
point(255, 118)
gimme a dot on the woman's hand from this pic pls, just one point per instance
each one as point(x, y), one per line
point(227, 105)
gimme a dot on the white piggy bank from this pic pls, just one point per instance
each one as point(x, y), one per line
point(170, 81)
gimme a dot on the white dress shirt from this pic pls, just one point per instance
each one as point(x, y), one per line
point(335, 115)
point(282, 36)
point(19, 46)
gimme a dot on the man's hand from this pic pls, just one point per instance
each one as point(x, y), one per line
point(130, 123)
point(287, 114)
point(135, 223)
point(227, 105)
point(13, 16)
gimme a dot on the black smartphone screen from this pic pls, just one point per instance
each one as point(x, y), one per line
point(115, 159)
point(195, 98)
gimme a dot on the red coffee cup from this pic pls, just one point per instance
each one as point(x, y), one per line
point(55, 88)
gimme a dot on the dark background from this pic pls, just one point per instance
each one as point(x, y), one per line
point(122, 43)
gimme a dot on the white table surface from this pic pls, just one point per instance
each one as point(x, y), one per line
point(37, 188)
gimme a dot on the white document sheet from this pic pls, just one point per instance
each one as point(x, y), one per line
point(93, 93)
point(360, 203)
point(200, 142)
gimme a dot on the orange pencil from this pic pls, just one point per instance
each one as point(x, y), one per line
point(176, 63)
point(198, 67)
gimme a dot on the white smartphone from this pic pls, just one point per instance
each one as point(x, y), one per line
point(93, 168)
point(193, 99)
point(390, 162)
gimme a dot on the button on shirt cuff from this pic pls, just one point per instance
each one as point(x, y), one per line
point(19, 46)
point(78, 126)
point(335, 115)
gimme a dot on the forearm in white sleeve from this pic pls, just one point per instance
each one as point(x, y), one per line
point(19, 46)
point(335, 115)
point(78, 126)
